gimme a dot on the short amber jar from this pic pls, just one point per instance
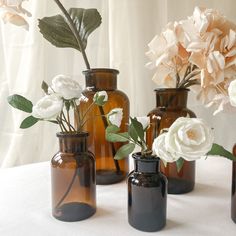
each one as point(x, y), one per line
point(170, 105)
point(73, 179)
point(108, 170)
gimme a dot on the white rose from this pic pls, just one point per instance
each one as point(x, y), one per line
point(159, 148)
point(48, 107)
point(66, 87)
point(144, 120)
point(115, 116)
point(232, 93)
point(189, 138)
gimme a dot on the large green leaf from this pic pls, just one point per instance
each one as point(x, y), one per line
point(120, 137)
point(137, 128)
point(28, 122)
point(220, 151)
point(124, 151)
point(20, 102)
point(57, 31)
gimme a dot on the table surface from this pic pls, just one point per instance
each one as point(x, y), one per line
point(25, 205)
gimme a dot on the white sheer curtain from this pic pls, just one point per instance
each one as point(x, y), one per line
point(120, 42)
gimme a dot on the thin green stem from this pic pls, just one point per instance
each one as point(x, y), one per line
point(74, 31)
point(68, 119)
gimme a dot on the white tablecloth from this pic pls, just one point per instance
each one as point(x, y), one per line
point(25, 205)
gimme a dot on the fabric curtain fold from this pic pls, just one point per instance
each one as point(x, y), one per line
point(120, 42)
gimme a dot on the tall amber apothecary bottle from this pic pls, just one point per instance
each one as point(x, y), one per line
point(108, 170)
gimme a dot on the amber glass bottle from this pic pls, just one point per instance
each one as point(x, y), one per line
point(73, 179)
point(233, 200)
point(147, 193)
point(170, 105)
point(108, 170)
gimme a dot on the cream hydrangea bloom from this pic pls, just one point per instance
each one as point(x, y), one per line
point(13, 12)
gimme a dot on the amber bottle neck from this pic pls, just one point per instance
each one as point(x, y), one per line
point(149, 164)
point(171, 98)
point(73, 143)
point(101, 79)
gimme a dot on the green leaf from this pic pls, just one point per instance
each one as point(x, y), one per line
point(20, 102)
point(179, 164)
point(28, 122)
point(138, 128)
point(219, 150)
point(99, 100)
point(112, 129)
point(120, 137)
point(124, 151)
point(132, 132)
point(57, 31)
point(44, 87)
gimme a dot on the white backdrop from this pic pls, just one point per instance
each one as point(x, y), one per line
point(120, 42)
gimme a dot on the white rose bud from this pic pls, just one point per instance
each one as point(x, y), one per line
point(115, 116)
point(100, 98)
point(48, 107)
point(189, 138)
point(159, 148)
point(232, 93)
point(144, 120)
point(66, 87)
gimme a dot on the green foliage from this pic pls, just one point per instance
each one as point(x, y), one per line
point(136, 129)
point(124, 151)
point(57, 31)
point(44, 87)
point(21, 103)
point(219, 150)
point(28, 122)
point(113, 136)
point(179, 164)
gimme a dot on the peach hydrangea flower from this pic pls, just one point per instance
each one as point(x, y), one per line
point(201, 51)
point(13, 12)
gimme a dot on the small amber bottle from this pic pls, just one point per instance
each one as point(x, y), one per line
point(73, 179)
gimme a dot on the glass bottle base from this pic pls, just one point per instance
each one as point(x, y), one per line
point(74, 211)
point(104, 177)
point(177, 186)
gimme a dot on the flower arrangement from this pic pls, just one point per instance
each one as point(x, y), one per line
point(186, 139)
point(60, 98)
point(199, 52)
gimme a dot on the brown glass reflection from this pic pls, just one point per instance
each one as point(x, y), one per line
point(108, 170)
point(170, 105)
point(233, 200)
point(73, 179)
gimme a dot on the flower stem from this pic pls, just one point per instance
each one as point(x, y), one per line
point(74, 31)
point(113, 149)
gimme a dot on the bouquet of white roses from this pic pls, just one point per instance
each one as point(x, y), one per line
point(62, 96)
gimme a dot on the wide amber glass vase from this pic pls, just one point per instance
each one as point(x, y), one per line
point(73, 179)
point(147, 194)
point(233, 199)
point(108, 170)
point(170, 105)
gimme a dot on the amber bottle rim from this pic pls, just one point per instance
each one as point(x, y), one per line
point(74, 135)
point(171, 89)
point(101, 70)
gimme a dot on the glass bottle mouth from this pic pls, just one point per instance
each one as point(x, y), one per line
point(101, 79)
point(72, 135)
point(101, 70)
point(159, 90)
